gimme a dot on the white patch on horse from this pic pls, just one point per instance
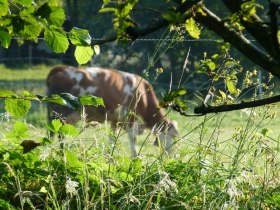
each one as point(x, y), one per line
point(74, 75)
point(95, 71)
point(128, 88)
point(88, 90)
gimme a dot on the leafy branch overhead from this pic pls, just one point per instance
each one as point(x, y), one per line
point(28, 21)
point(19, 105)
point(242, 22)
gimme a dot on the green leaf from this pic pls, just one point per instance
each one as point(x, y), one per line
point(71, 101)
point(57, 16)
point(174, 94)
point(51, 13)
point(23, 2)
point(5, 39)
point(31, 28)
point(55, 125)
point(52, 99)
point(231, 86)
point(70, 130)
point(56, 40)
point(7, 93)
point(17, 107)
point(4, 7)
point(211, 64)
point(127, 8)
point(224, 96)
point(44, 11)
point(192, 28)
point(107, 9)
point(265, 131)
point(80, 37)
point(91, 100)
point(83, 54)
point(73, 160)
point(20, 128)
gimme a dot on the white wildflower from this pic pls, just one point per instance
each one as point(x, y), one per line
point(167, 185)
point(131, 198)
point(5, 116)
point(71, 187)
point(232, 189)
point(225, 206)
point(44, 155)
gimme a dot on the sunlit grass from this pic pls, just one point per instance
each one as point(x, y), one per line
point(38, 72)
point(219, 161)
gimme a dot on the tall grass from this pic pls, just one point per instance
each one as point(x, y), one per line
point(219, 161)
point(211, 167)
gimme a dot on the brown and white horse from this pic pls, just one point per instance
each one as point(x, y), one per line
point(121, 92)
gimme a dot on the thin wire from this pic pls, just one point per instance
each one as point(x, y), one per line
point(148, 39)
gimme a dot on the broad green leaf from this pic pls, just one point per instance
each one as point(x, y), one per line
point(56, 40)
point(52, 99)
point(5, 39)
point(83, 54)
point(4, 7)
point(55, 125)
point(44, 11)
point(7, 93)
point(231, 86)
point(57, 16)
point(80, 37)
point(91, 100)
point(51, 13)
point(192, 28)
point(31, 28)
point(23, 2)
point(72, 160)
point(71, 101)
point(17, 107)
point(70, 130)
point(20, 128)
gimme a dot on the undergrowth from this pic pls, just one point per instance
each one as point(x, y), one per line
point(205, 170)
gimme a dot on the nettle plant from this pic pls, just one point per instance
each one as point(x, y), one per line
point(30, 20)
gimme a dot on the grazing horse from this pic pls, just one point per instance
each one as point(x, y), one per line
point(122, 93)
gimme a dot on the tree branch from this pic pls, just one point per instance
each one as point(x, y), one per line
point(262, 32)
point(231, 107)
point(234, 37)
point(155, 25)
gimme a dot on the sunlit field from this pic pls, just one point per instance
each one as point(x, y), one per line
point(219, 161)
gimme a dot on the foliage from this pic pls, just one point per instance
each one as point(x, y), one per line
point(18, 105)
point(27, 20)
point(36, 173)
point(122, 19)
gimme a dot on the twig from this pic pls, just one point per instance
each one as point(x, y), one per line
point(231, 107)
